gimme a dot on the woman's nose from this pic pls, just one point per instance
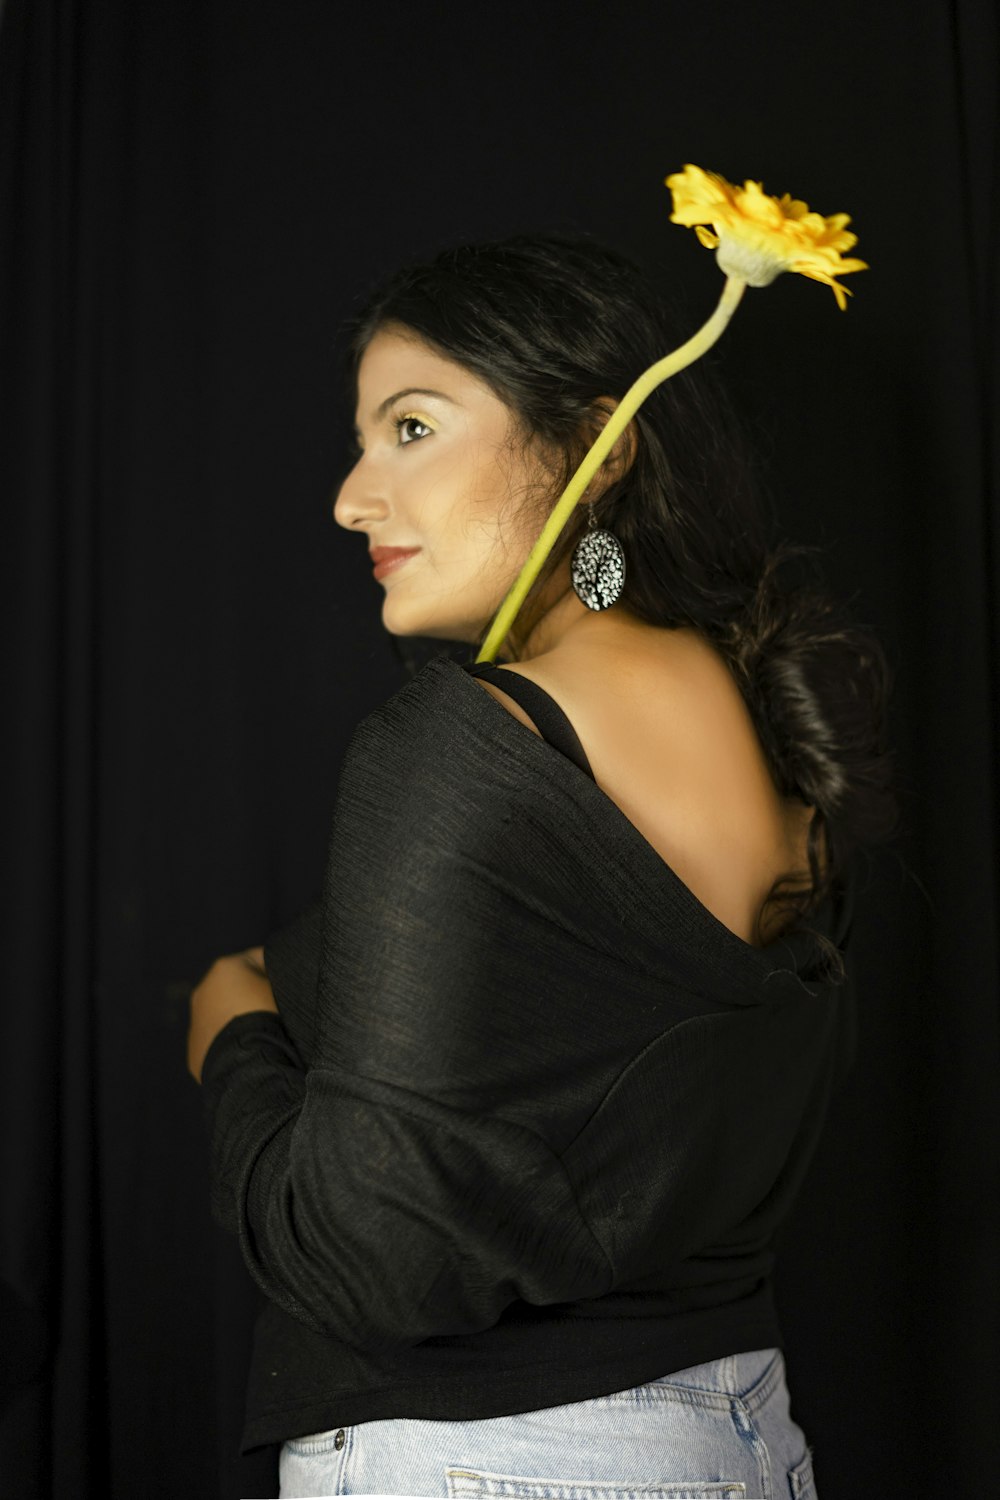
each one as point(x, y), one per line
point(358, 501)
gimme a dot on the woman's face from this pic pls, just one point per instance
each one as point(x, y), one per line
point(439, 473)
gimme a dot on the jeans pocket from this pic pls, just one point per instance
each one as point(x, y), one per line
point(471, 1484)
point(801, 1483)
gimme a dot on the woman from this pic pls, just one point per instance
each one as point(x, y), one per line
point(507, 1120)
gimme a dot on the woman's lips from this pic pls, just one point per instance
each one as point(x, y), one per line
point(386, 559)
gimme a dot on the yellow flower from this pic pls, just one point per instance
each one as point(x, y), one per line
point(758, 236)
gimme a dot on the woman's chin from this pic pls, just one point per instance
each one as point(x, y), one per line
point(397, 619)
point(426, 627)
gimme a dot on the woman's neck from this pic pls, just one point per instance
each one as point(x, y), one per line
point(568, 620)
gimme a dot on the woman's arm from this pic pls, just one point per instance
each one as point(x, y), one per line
point(235, 985)
point(376, 1216)
point(399, 1177)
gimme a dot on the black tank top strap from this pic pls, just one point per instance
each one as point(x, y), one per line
point(541, 708)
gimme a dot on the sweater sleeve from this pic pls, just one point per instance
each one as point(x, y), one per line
point(374, 1215)
point(393, 1171)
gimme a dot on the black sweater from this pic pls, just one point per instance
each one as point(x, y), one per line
point(530, 1115)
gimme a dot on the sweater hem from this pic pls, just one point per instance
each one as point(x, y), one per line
point(511, 1389)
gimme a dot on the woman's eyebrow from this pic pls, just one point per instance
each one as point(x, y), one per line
point(411, 390)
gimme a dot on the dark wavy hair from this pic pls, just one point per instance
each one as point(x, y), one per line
point(552, 323)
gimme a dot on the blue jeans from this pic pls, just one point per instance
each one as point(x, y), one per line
point(721, 1430)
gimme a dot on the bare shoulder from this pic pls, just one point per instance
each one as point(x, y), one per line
point(661, 692)
point(671, 741)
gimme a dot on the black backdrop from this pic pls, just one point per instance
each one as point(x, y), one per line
point(191, 194)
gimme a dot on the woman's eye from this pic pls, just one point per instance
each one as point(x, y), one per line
point(404, 424)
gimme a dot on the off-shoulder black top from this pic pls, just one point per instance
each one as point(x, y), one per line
point(530, 1115)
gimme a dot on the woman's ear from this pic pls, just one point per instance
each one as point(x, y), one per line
point(622, 456)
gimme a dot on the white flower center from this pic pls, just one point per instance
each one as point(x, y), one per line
point(755, 266)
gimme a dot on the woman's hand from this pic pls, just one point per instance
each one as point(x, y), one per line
point(234, 985)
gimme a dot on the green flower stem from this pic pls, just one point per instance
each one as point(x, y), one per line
point(595, 456)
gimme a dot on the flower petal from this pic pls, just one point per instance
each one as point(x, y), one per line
point(757, 236)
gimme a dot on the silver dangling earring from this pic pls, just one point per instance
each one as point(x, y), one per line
point(597, 566)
